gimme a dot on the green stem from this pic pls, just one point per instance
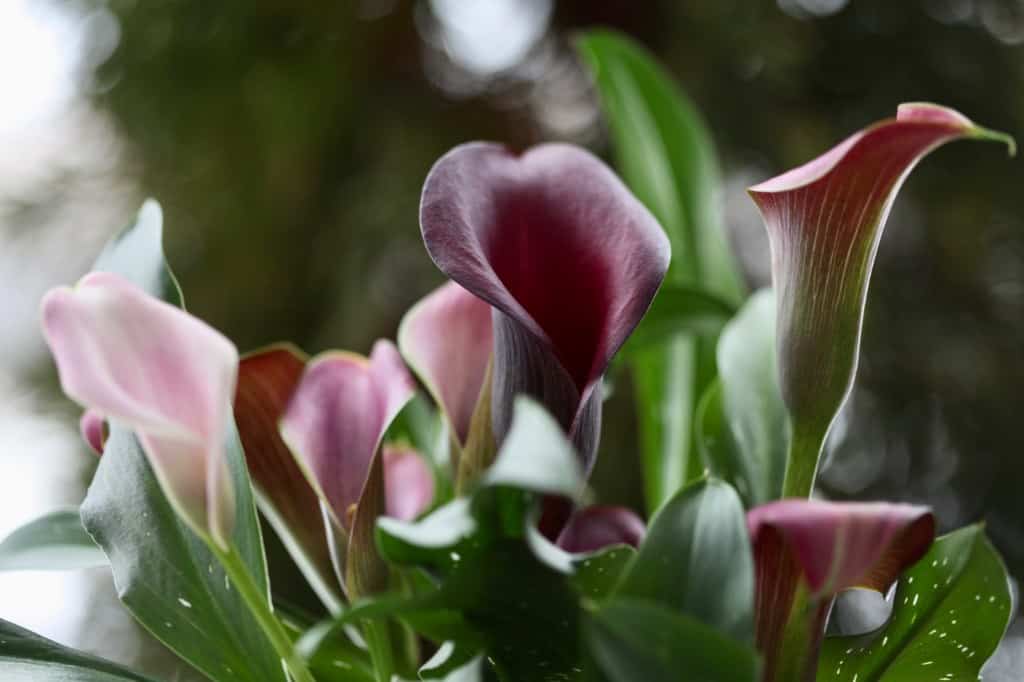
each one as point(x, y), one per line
point(258, 603)
point(802, 461)
point(378, 641)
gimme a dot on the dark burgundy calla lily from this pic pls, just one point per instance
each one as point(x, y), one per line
point(599, 526)
point(568, 258)
point(807, 551)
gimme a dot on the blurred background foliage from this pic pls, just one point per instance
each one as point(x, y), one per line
point(288, 140)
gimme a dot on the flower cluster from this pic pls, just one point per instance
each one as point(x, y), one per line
point(552, 263)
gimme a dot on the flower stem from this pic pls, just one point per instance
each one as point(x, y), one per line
point(378, 641)
point(259, 606)
point(802, 461)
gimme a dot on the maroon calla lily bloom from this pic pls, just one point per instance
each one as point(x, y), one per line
point(568, 258)
point(824, 221)
point(807, 551)
point(596, 527)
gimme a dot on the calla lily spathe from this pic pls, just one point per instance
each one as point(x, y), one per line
point(566, 256)
point(807, 551)
point(824, 221)
point(167, 375)
point(408, 482)
point(334, 424)
point(447, 340)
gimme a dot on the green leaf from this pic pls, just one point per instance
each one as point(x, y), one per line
point(55, 541)
point(681, 310)
point(452, 662)
point(333, 657)
point(665, 154)
point(28, 657)
point(165, 574)
point(501, 588)
point(950, 611)
point(633, 639)
point(137, 254)
point(597, 575)
point(742, 423)
point(696, 560)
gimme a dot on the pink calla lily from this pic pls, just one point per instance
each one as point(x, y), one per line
point(156, 369)
point(567, 257)
point(806, 551)
point(92, 426)
point(824, 222)
point(337, 416)
point(408, 481)
point(334, 424)
point(447, 340)
point(596, 527)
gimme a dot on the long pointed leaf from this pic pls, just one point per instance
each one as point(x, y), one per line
point(665, 154)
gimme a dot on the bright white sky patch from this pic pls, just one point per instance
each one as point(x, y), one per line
point(39, 48)
point(489, 36)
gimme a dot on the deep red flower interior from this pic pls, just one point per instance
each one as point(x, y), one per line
point(569, 298)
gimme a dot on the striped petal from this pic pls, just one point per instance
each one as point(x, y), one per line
point(807, 551)
point(267, 379)
point(447, 340)
point(156, 369)
point(824, 222)
point(567, 257)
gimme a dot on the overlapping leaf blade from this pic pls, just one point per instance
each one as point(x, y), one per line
point(696, 560)
point(742, 423)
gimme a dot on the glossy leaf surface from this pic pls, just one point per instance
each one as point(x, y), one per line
point(950, 611)
point(743, 426)
point(634, 639)
point(696, 560)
